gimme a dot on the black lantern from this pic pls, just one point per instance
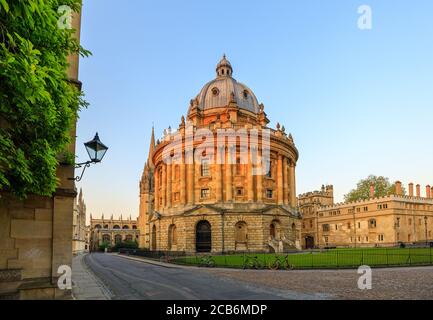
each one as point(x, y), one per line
point(96, 150)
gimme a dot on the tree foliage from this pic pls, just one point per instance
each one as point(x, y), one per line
point(38, 106)
point(382, 188)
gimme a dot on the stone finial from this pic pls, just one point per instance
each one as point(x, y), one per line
point(278, 126)
point(157, 141)
point(261, 108)
point(182, 121)
point(283, 129)
point(290, 137)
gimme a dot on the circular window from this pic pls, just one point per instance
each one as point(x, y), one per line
point(245, 94)
point(215, 91)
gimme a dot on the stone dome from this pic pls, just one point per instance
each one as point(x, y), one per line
point(224, 89)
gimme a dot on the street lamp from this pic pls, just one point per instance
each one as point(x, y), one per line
point(96, 151)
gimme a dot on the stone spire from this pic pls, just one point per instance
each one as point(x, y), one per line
point(151, 149)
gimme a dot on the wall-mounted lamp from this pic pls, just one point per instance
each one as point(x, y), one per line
point(96, 150)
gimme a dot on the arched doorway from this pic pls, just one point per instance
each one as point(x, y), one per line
point(117, 238)
point(309, 242)
point(272, 231)
point(203, 237)
point(154, 237)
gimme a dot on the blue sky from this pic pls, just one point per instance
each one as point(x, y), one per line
point(357, 102)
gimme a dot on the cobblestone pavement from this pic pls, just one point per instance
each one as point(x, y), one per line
point(85, 286)
point(389, 283)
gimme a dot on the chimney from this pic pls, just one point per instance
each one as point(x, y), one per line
point(371, 191)
point(398, 190)
point(427, 192)
point(411, 189)
point(418, 191)
point(431, 193)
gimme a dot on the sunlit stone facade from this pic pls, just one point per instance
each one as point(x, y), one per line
point(232, 197)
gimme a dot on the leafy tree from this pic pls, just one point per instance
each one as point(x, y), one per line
point(382, 187)
point(104, 245)
point(126, 245)
point(38, 105)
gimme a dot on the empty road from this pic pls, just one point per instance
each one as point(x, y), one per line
point(135, 280)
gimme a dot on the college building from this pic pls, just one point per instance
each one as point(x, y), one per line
point(379, 221)
point(212, 206)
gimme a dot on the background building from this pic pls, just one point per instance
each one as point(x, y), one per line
point(79, 240)
point(385, 221)
point(214, 207)
point(112, 231)
point(309, 203)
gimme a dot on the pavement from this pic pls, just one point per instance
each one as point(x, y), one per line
point(85, 285)
point(130, 278)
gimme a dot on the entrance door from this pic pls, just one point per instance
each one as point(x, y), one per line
point(309, 242)
point(153, 244)
point(203, 237)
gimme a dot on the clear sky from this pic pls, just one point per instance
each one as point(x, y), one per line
point(357, 102)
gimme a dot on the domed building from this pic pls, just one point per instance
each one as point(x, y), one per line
point(198, 194)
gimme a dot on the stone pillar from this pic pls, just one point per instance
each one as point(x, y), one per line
point(190, 179)
point(218, 175)
point(418, 190)
point(292, 178)
point(250, 181)
point(280, 180)
point(286, 182)
point(164, 185)
point(169, 184)
point(229, 184)
point(259, 184)
point(182, 181)
point(156, 179)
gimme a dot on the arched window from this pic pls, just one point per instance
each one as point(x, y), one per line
point(241, 234)
point(106, 226)
point(106, 238)
point(116, 226)
point(134, 227)
point(274, 229)
point(118, 238)
point(125, 227)
point(98, 226)
point(172, 236)
point(128, 238)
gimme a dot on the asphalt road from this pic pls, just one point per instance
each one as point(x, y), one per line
point(131, 280)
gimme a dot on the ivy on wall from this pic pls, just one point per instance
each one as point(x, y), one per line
point(38, 105)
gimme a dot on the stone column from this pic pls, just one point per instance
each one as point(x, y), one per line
point(280, 180)
point(229, 183)
point(250, 181)
point(156, 179)
point(259, 181)
point(286, 182)
point(292, 180)
point(182, 181)
point(190, 179)
point(164, 185)
point(169, 184)
point(218, 175)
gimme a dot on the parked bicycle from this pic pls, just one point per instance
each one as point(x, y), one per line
point(252, 263)
point(207, 261)
point(281, 263)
